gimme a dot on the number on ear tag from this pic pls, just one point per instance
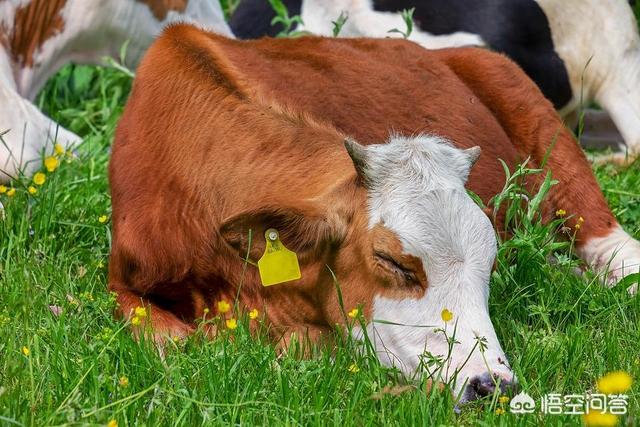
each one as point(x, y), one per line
point(278, 264)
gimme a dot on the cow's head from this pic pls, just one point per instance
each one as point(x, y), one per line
point(436, 248)
point(412, 244)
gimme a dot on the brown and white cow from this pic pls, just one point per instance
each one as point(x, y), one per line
point(221, 137)
point(37, 37)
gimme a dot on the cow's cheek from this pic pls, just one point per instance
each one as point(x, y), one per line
point(356, 288)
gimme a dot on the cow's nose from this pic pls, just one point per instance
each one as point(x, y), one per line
point(485, 385)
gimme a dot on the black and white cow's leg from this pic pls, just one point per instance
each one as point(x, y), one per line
point(603, 65)
point(620, 96)
point(24, 131)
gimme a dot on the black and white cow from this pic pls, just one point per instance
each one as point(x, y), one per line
point(577, 51)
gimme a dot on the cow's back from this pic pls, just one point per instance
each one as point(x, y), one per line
point(370, 88)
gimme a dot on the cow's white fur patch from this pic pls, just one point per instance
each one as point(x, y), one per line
point(604, 64)
point(416, 189)
point(364, 21)
point(616, 255)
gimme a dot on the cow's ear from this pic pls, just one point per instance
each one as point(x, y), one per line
point(474, 154)
point(470, 157)
point(358, 154)
point(304, 229)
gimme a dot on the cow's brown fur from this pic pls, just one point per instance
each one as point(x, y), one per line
point(228, 143)
point(160, 8)
point(34, 23)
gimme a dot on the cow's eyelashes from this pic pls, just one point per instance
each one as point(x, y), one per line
point(396, 266)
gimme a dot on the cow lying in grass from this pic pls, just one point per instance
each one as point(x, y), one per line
point(577, 51)
point(37, 37)
point(357, 152)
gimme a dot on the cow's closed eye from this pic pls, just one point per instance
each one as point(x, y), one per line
point(396, 267)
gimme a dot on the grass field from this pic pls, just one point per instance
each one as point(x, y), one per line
point(65, 360)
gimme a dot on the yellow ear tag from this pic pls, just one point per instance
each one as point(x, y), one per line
point(278, 264)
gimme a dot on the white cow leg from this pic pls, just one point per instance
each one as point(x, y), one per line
point(615, 256)
point(620, 96)
point(26, 135)
point(625, 113)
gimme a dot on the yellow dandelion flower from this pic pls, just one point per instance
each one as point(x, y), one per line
point(615, 383)
point(59, 149)
point(140, 312)
point(112, 423)
point(51, 163)
point(353, 313)
point(102, 219)
point(26, 351)
point(446, 315)
point(353, 368)
point(206, 310)
point(32, 189)
point(253, 314)
point(3, 189)
point(123, 381)
point(231, 323)
point(600, 419)
point(39, 178)
point(223, 306)
point(135, 320)
point(499, 411)
point(561, 212)
point(11, 192)
point(504, 399)
point(176, 339)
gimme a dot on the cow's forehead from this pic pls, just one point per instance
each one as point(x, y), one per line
point(419, 163)
point(402, 172)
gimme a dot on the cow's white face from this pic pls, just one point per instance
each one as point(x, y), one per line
point(416, 190)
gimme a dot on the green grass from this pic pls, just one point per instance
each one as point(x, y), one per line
point(560, 332)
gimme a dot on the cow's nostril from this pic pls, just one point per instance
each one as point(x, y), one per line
point(485, 385)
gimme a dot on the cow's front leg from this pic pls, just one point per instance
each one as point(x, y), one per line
point(615, 255)
point(300, 340)
point(149, 319)
point(26, 133)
